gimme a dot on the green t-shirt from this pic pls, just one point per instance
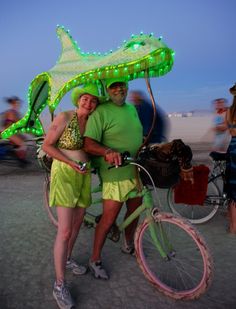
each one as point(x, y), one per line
point(119, 128)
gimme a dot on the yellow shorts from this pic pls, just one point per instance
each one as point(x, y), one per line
point(69, 188)
point(120, 191)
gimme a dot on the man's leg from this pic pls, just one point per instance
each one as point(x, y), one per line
point(131, 204)
point(111, 210)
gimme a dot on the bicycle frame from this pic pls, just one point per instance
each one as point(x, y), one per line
point(147, 205)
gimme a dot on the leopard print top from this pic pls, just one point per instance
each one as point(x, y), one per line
point(71, 138)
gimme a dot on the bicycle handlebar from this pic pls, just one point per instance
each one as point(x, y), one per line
point(125, 156)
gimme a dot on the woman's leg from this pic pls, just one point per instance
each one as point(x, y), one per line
point(65, 217)
point(78, 216)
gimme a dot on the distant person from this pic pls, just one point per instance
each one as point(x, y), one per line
point(9, 117)
point(145, 111)
point(231, 164)
point(70, 188)
point(219, 125)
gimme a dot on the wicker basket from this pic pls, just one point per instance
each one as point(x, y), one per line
point(164, 174)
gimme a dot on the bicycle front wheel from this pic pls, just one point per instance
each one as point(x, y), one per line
point(51, 211)
point(186, 271)
point(197, 214)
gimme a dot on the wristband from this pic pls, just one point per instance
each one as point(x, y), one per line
point(108, 150)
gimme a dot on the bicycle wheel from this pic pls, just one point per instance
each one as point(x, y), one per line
point(187, 271)
point(197, 214)
point(51, 211)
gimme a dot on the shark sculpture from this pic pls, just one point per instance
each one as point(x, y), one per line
point(141, 56)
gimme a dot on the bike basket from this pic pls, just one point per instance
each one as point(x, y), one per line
point(164, 174)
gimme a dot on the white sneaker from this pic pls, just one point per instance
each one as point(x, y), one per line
point(97, 270)
point(76, 268)
point(62, 296)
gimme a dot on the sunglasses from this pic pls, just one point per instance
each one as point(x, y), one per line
point(118, 85)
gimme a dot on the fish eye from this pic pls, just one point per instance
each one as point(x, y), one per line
point(134, 45)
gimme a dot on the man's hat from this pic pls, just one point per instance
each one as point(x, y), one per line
point(111, 81)
point(91, 89)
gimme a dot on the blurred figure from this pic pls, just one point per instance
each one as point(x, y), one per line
point(231, 163)
point(219, 125)
point(9, 117)
point(145, 111)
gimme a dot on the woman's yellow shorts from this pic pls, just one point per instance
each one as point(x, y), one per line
point(69, 188)
point(120, 191)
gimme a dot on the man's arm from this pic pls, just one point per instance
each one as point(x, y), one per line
point(93, 147)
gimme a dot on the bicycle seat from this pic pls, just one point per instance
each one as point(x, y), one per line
point(218, 156)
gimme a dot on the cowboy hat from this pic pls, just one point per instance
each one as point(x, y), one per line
point(91, 89)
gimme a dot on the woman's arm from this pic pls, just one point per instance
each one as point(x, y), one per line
point(55, 131)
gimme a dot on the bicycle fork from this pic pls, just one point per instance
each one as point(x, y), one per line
point(158, 234)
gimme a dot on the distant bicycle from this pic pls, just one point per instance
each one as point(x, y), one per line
point(216, 197)
point(170, 252)
point(9, 161)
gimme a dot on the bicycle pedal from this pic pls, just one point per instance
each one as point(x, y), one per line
point(88, 224)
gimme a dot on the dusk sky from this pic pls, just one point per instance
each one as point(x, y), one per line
point(202, 34)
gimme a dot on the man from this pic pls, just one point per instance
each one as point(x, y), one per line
point(113, 128)
point(145, 112)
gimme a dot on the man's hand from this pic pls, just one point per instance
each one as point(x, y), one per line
point(113, 157)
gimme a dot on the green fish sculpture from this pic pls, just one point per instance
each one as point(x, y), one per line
point(141, 56)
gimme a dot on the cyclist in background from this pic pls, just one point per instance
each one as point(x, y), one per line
point(9, 117)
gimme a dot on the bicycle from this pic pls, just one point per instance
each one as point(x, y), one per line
point(9, 161)
point(216, 196)
point(170, 252)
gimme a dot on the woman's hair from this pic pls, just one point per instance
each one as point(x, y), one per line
point(232, 109)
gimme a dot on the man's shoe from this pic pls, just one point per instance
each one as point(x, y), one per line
point(76, 268)
point(97, 270)
point(62, 296)
point(128, 248)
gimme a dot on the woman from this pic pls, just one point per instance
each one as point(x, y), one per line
point(231, 164)
point(70, 186)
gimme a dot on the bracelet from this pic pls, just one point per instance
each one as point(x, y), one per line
point(108, 150)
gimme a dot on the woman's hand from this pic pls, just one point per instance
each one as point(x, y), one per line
point(77, 167)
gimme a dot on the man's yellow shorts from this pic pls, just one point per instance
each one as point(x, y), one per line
point(120, 191)
point(69, 188)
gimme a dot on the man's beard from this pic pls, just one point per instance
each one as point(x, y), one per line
point(119, 99)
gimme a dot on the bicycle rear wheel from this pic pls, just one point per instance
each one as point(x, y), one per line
point(51, 211)
point(197, 214)
point(187, 271)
